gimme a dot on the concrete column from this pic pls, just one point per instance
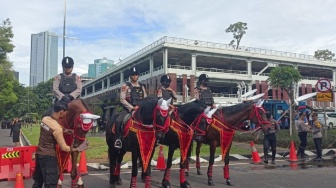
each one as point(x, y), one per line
point(249, 86)
point(184, 82)
point(249, 68)
point(85, 91)
point(193, 63)
point(108, 83)
point(93, 89)
point(151, 65)
point(103, 84)
point(173, 83)
point(165, 61)
point(192, 86)
point(121, 77)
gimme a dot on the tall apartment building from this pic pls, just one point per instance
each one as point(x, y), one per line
point(99, 66)
point(43, 57)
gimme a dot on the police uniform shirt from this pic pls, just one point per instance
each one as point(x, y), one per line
point(197, 92)
point(126, 93)
point(58, 94)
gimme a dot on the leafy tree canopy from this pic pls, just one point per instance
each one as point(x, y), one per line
point(238, 30)
point(324, 55)
point(284, 77)
point(6, 35)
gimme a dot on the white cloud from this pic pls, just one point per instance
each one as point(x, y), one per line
point(119, 28)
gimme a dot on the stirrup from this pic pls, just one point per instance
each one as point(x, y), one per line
point(118, 144)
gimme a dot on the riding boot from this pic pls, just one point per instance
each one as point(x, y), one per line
point(266, 156)
point(118, 143)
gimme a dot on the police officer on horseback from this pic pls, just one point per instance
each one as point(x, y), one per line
point(67, 86)
point(131, 95)
point(166, 92)
point(203, 92)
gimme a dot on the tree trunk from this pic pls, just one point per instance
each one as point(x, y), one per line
point(292, 111)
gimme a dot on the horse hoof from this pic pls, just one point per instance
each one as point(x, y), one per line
point(80, 186)
point(186, 173)
point(59, 186)
point(199, 172)
point(165, 184)
point(112, 186)
point(228, 182)
point(185, 185)
point(118, 180)
point(211, 183)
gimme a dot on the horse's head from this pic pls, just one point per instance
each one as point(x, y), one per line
point(201, 124)
point(79, 119)
point(154, 112)
point(258, 115)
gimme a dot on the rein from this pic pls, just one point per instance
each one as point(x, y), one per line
point(158, 127)
point(194, 126)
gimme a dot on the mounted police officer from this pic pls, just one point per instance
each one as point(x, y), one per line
point(166, 92)
point(67, 86)
point(203, 92)
point(131, 95)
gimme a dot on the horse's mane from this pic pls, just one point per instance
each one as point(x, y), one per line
point(189, 111)
point(146, 108)
point(85, 105)
point(231, 110)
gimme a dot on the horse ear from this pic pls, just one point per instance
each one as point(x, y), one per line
point(160, 101)
point(207, 110)
point(169, 100)
point(211, 112)
point(260, 103)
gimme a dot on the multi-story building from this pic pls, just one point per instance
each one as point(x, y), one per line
point(228, 68)
point(100, 66)
point(43, 57)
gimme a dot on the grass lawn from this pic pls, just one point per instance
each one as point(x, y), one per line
point(97, 151)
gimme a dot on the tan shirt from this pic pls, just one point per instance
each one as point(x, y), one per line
point(126, 93)
point(58, 94)
point(51, 134)
point(197, 92)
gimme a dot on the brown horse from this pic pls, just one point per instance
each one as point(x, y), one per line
point(146, 125)
point(188, 122)
point(76, 120)
point(226, 121)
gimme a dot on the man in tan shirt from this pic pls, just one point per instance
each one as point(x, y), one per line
point(67, 85)
point(51, 133)
point(131, 95)
point(203, 92)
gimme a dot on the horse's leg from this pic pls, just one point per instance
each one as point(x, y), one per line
point(76, 180)
point(211, 162)
point(117, 168)
point(166, 177)
point(226, 167)
point(133, 183)
point(198, 163)
point(183, 181)
point(112, 159)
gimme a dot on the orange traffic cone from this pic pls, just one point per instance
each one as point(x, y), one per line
point(161, 163)
point(292, 153)
point(82, 164)
point(69, 165)
point(255, 155)
point(19, 181)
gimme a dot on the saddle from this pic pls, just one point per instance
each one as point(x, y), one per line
point(125, 125)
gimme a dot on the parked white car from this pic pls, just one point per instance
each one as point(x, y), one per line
point(331, 119)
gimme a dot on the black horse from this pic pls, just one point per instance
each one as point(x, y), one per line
point(226, 121)
point(187, 122)
point(146, 125)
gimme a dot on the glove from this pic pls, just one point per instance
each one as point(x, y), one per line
point(70, 97)
point(65, 99)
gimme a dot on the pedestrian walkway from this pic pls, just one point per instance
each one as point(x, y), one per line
point(5, 139)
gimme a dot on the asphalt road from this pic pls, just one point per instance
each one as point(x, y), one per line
point(243, 174)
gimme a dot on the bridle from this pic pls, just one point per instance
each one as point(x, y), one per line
point(86, 126)
point(164, 114)
point(255, 113)
point(195, 125)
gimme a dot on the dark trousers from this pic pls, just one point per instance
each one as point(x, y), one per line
point(270, 141)
point(303, 144)
point(11, 131)
point(46, 172)
point(119, 122)
point(318, 146)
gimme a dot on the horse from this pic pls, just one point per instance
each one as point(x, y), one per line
point(226, 121)
point(186, 123)
point(146, 125)
point(76, 119)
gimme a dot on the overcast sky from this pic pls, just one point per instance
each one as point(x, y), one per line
point(114, 29)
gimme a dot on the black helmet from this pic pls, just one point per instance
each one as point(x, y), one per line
point(203, 77)
point(165, 78)
point(133, 71)
point(67, 62)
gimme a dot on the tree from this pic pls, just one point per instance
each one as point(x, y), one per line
point(239, 30)
point(286, 78)
point(7, 81)
point(324, 55)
